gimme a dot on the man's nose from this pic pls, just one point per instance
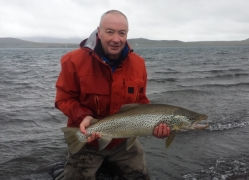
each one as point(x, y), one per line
point(116, 37)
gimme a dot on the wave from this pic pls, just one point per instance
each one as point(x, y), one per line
point(223, 70)
point(154, 94)
point(221, 127)
point(167, 71)
point(219, 85)
point(229, 76)
point(162, 80)
point(225, 80)
point(199, 77)
point(214, 71)
point(223, 168)
point(206, 74)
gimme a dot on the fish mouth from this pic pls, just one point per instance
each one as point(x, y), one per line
point(198, 126)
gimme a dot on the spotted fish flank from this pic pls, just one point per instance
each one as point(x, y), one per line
point(135, 120)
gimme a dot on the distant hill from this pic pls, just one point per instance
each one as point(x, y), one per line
point(165, 43)
point(135, 43)
point(41, 39)
point(18, 43)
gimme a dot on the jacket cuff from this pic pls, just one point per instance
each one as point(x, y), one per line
point(80, 118)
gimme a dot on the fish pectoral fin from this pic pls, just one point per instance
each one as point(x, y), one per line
point(74, 144)
point(169, 139)
point(130, 142)
point(104, 141)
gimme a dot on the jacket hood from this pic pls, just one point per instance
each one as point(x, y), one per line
point(91, 41)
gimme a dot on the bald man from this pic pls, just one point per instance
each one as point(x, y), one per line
point(94, 82)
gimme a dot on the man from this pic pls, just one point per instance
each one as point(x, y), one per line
point(95, 81)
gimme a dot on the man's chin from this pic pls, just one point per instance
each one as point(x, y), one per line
point(114, 52)
point(113, 56)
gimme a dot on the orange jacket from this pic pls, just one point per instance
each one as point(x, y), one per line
point(87, 86)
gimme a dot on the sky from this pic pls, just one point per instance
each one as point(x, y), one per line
point(184, 20)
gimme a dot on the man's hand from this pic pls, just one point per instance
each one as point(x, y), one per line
point(85, 123)
point(161, 131)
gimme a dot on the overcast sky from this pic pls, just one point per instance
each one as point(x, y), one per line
point(184, 20)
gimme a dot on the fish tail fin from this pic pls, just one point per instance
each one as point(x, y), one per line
point(74, 143)
point(170, 138)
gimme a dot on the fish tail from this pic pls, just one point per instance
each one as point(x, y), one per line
point(74, 143)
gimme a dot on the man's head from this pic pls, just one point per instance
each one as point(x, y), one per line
point(112, 32)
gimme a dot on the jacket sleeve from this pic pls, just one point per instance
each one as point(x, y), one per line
point(68, 92)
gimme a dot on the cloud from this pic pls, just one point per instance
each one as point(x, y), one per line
point(191, 20)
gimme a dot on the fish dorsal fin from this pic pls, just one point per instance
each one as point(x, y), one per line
point(74, 144)
point(104, 141)
point(127, 107)
point(130, 142)
point(170, 138)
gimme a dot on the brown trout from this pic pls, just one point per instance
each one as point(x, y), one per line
point(135, 120)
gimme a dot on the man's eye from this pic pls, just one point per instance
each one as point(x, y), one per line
point(109, 32)
point(122, 33)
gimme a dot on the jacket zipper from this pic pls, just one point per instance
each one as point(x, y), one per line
point(137, 95)
point(96, 98)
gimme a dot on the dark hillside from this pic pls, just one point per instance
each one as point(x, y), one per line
point(135, 43)
point(18, 43)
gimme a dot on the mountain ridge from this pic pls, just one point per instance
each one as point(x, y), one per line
point(9, 42)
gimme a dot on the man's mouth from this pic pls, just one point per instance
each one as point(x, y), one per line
point(114, 45)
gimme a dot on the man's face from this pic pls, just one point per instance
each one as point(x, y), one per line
point(113, 34)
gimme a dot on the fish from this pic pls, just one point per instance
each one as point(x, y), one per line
point(135, 120)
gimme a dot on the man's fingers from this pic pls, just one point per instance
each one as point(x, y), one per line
point(166, 130)
point(156, 130)
point(162, 131)
point(85, 123)
point(83, 128)
point(93, 137)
